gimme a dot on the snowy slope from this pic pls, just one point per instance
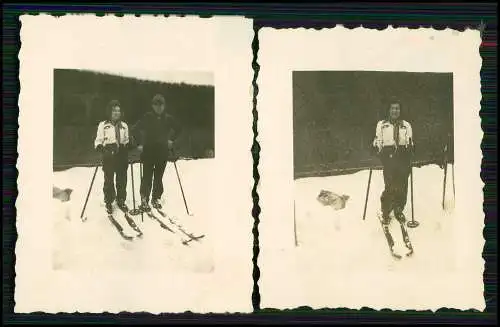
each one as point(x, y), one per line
point(336, 248)
point(95, 243)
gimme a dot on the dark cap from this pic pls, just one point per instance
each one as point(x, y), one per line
point(158, 99)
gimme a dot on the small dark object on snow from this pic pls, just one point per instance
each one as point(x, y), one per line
point(336, 201)
point(64, 195)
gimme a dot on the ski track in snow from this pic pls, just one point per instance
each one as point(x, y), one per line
point(332, 242)
point(96, 244)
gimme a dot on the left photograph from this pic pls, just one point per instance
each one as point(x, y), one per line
point(135, 170)
point(131, 159)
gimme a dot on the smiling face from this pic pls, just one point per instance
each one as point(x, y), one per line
point(394, 111)
point(116, 113)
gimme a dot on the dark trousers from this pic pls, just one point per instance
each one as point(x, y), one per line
point(396, 171)
point(153, 167)
point(115, 165)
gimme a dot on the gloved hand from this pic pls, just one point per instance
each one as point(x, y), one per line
point(110, 149)
point(375, 151)
point(412, 149)
point(172, 155)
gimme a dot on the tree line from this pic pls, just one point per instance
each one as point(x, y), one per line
point(80, 99)
point(335, 114)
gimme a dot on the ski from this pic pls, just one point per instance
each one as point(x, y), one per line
point(194, 238)
point(131, 223)
point(191, 236)
point(406, 239)
point(119, 228)
point(388, 236)
point(162, 224)
point(162, 213)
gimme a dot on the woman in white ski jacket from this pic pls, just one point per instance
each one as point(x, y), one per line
point(112, 140)
point(394, 144)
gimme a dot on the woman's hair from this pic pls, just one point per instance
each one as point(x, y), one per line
point(111, 105)
point(395, 101)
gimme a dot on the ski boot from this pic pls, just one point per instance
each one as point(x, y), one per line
point(386, 219)
point(408, 246)
point(122, 206)
point(156, 203)
point(144, 207)
point(400, 217)
point(109, 208)
point(406, 239)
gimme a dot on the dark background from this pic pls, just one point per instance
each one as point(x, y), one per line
point(335, 115)
point(458, 16)
point(81, 97)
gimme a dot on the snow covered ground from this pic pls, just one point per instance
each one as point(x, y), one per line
point(350, 238)
point(96, 244)
point(341, 260)
point(333, 244)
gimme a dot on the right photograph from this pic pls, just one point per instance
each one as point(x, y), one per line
point(370, 185)
point(373, 161)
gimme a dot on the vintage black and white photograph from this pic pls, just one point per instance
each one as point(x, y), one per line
point(363, 144)
point(132, 156)
point(377, 166)
point(142, 128)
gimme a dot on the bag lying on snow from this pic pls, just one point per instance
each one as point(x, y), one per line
point(334, 200)
point(62, 195)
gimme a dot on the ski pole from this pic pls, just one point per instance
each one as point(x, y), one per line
point(367, 192)
point(444, 181)
point(182, 190)
point(295, 225)
point(133, 212)
point(140, 174)
point(450, 141)
point(413, 223)
point(453, 178)
point(88, 194)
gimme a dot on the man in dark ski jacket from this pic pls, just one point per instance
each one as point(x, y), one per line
point(394, 144)
point(155, 134)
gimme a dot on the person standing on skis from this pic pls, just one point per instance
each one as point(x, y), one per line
point(112, 140)
point(394, 145)
point(155, 133)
